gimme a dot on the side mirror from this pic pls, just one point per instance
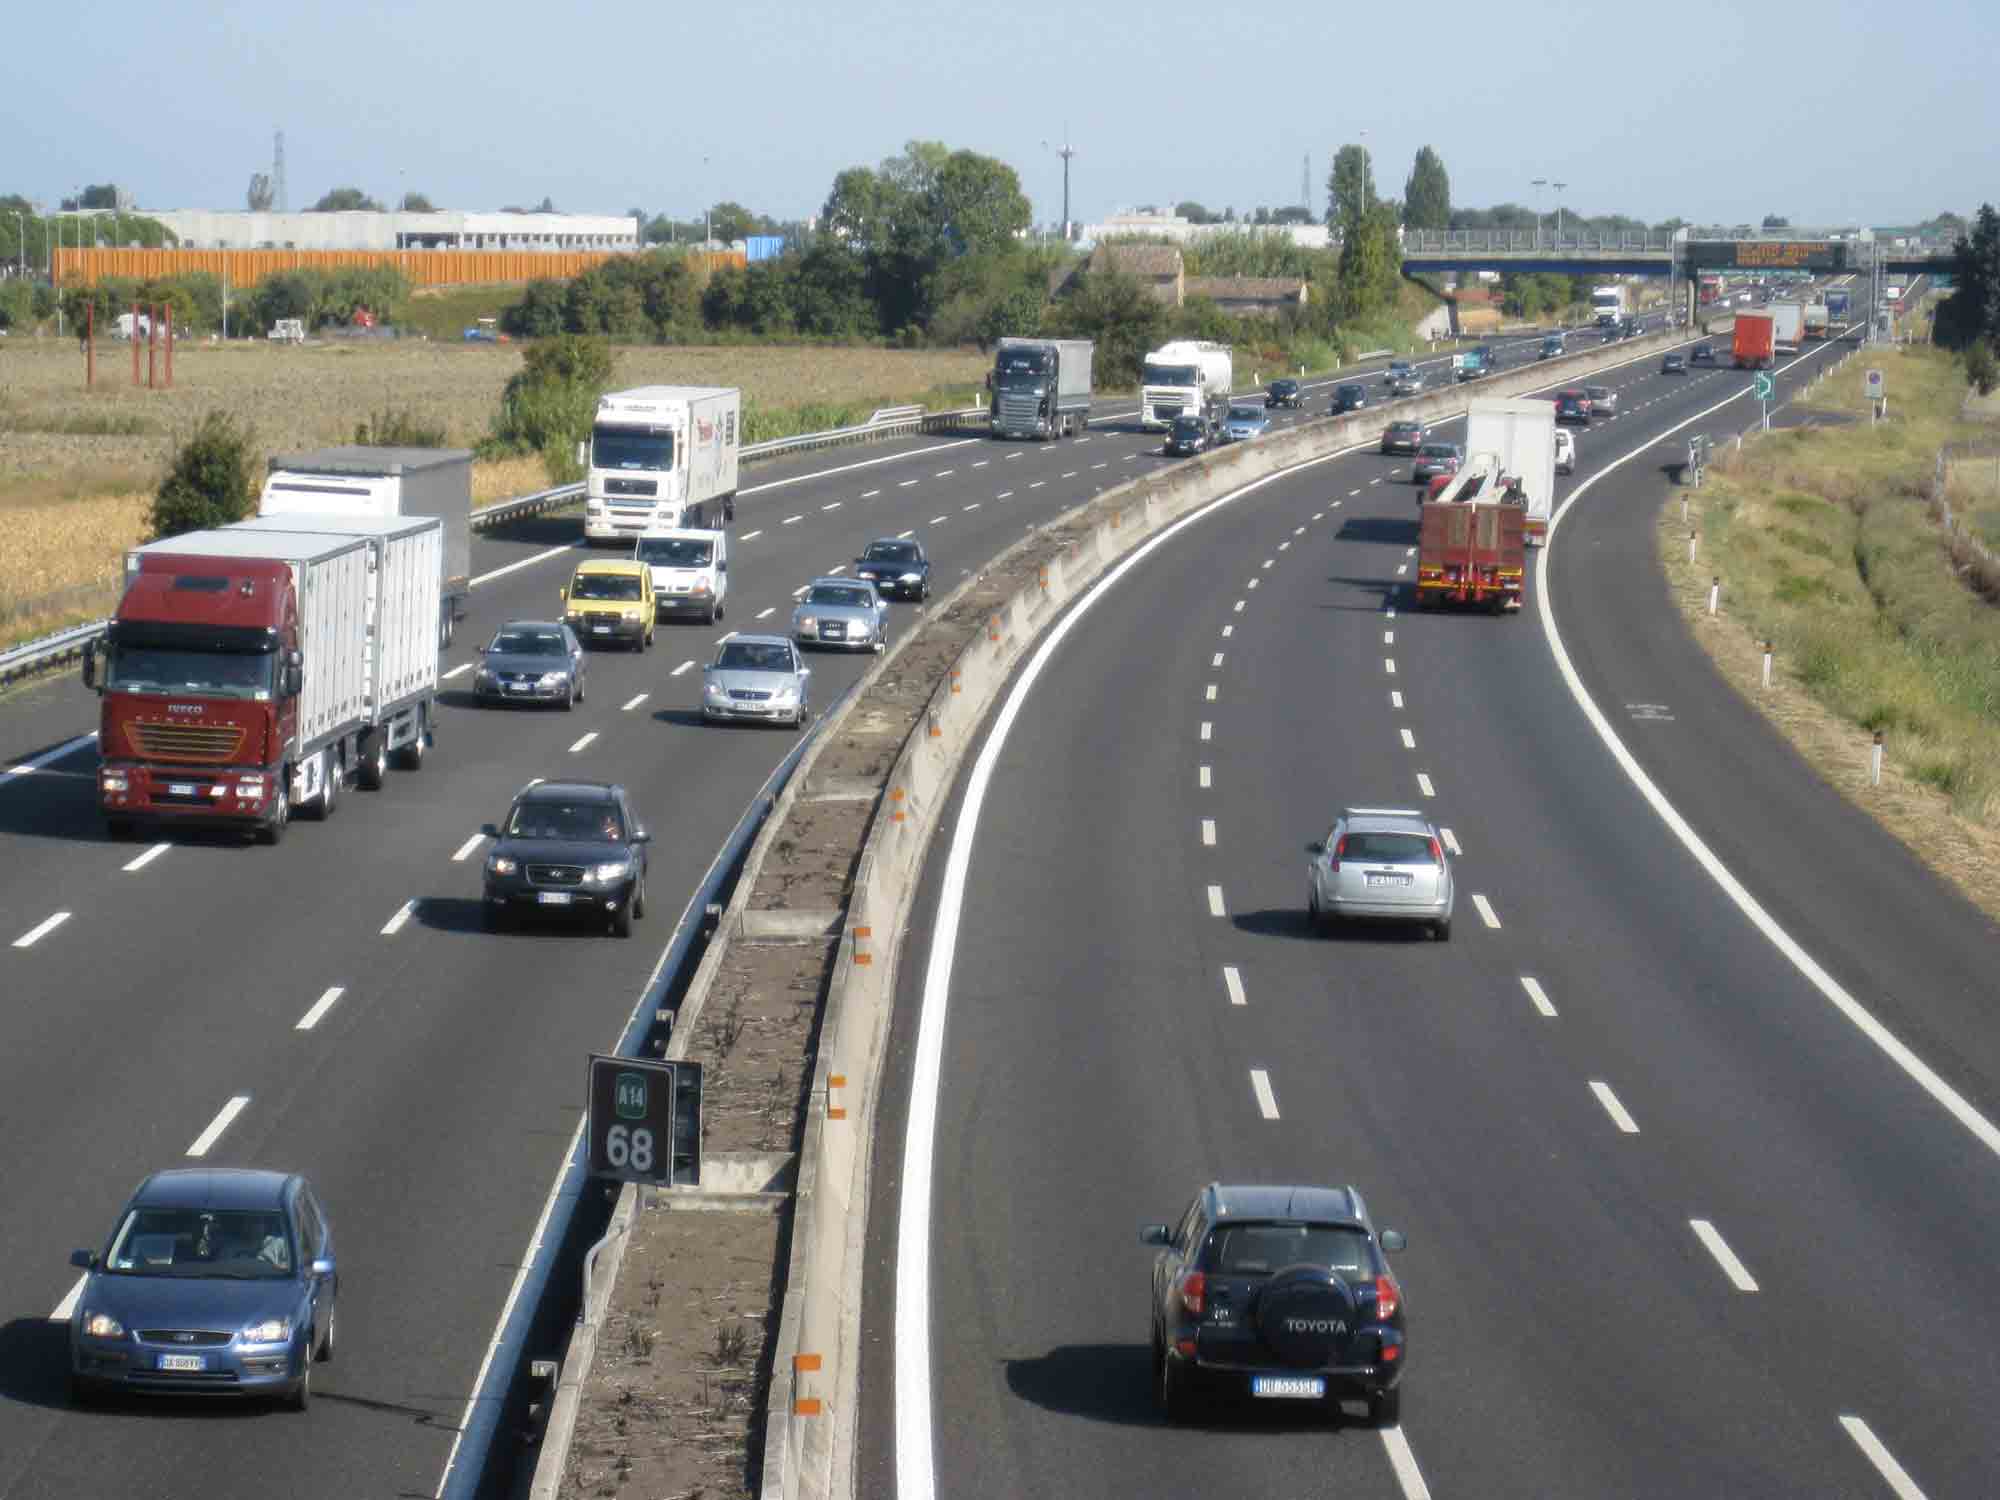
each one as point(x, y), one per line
point(1315, 848)
point(491, 830)
point(484, 650)
point(582, 455)
point(1392, 1240)
point(322, 1267)
point(90, 664)
point(83, 1260)
point(642, 837)
point(805, 671)
point(1156, 1234)
point(295, 680)
point(562, 592)
point(707, 668)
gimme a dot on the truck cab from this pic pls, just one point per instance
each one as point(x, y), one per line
point(660, 457)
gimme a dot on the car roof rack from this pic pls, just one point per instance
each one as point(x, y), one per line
point(1381, 812)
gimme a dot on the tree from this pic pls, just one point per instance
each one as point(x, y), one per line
point(98, 195)
point(211, 481)
point(1776, 221)
point(1971, 314)
point(1370, 264)
point(260, 196)
point(1427, 193)
point(418, 203)
point(976, 202)
point(345, 200)
point(1292, 213)
point(1125, 319)
point(1350, 188)
point(549, 403)
point(546, 206)
point(1194, 213)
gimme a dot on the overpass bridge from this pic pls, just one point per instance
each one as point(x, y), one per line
point(1681, 252)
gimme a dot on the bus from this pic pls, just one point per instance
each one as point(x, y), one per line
point(1608, 304)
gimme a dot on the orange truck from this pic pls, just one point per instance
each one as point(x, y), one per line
point(1471, 552)
point(1756, 340)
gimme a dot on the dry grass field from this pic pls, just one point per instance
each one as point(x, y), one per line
point(77, 468)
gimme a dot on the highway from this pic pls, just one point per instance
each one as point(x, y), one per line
point(1679, 1221)
point(330, 1005)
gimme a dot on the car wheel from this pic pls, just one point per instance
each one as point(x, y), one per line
point(582, 684)
point(1171, 1384)
point(300, 1397)
point(325, 1350)
point(569, 696)
point(639, 900)
point(1385, 1408)
point(621, 919)
point(1442, 930)
point(374, 763)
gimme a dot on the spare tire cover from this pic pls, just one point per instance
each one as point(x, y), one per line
point(1306, 1314)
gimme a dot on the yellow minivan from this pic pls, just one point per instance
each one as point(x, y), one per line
point(611, 601)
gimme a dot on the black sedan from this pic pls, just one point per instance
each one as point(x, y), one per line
point(531, 661)
point(1349, 397)
point(1278, 1294)
point(1282, 392)
point(1571, 408)
point(897, 568)
point(1188, 436)
point(568, 848)
point(1704, 353)
point(214, 1281)
point(1673, 363)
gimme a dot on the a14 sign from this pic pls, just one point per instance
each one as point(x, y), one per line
point(645, 1121)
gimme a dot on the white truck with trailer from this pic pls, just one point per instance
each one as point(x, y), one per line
point(379, 484)
point(1192, 376)
point(1788, 326)
point(1520, 438)
point(1041, 387)
point(1608, 304)
point(661, 458)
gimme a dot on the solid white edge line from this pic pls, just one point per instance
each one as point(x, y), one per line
point(1537, 994)
point(319, 1009)
point(41, 930)
point(139, 862)
point(1921, 1073)
point(916, 1474)
point(464, 850)
point(1893, 1473)
point(1232, 981)
point(1267, 1101)
point(66, 1308)
point(1713, 1242)
point(1404, 1463)
point(48, 757)
point(1625, 1123)
point(1485, 910)
point(220, 1123)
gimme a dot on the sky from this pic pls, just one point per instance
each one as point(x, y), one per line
point(1835, 113)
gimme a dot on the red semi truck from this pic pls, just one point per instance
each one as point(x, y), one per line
point(251, 671)
point(1472, 551)
point(1756, 341)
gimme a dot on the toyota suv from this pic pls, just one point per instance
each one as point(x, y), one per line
point(1278, 1294)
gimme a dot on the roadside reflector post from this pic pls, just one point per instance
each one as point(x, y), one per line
point(1767, 664)
point(804, 1364)
point(836, 1083)
point(936, 729)
point(897, 810)
point(864, 945)
point(133, 337)
point(1691, 536)
point(1875, 760)
point(1714, 594)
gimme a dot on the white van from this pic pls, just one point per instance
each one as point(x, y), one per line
point(690, 571)
point(1565, 451)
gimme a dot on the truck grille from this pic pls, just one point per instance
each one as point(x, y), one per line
point(556, 874)
point(1019, 411)
point(160, 739)
point(631, 487)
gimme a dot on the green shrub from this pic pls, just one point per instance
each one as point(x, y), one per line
point(550, 402)
point(400, 428)
point(211, 480)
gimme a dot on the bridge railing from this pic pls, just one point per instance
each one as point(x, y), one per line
point(1528, 242)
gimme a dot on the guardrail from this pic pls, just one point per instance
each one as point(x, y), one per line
point(890, 421)
point(1529, 240)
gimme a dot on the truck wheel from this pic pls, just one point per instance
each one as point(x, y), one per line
point(273, 832)
point(329, 792)
point(369, 774)
point(411, 756)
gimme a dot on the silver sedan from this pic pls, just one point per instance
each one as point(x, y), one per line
point(1385, 863)
point(841, 613)
point(759, 678)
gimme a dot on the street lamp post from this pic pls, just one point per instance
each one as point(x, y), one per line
point(1538, 184)
point(1559, 186)
point(1065, 151)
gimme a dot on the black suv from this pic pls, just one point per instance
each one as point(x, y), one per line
point(1188, 435)
point(1282, 393)
point(1349, 397)
point(571, 848)
point(1278, 1293)
point(1704, 353)
point(896, 567)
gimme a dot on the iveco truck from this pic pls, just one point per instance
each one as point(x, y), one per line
point(1189, 376)
point(659, 458)
point(1041, 387)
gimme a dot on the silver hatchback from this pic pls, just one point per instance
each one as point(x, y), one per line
point(1384, 863)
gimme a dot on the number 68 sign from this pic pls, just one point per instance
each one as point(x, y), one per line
point(645, 1120)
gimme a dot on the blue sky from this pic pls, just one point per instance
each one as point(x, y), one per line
point(1829, 113)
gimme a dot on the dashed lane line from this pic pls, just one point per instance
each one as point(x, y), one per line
point(1205, 780)
point(1424, 785)
point(1232, 981)
point(1893, 1474)
point(1267, 1101)
point(633, 702)
point(1208, 833)
point(1215, 906)
point(140, 862)
point(767, 612)
point(1409, 740)
point(1207, 729)
point(751, 536)
point(583, 743)
point(1713, 1242)
point(684, 666)
point(319, 1009)
point(464, 851)
point(1539, 996)
point(395, 924)
point(41, 930)
point(1625, 1123)
point(1451, 842)
point(220, 1123)
point(458, 671)
point(1485, 911)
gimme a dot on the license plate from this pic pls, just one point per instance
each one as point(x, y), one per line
point(1388, 880)
point(183, 1362)
point(1288, 1387)
point(600, 630)
point(520, 687)
point(553, 898)
point(181, 788)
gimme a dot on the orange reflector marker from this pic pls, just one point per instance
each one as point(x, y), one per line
point(806, 1406)
point(805, 1364)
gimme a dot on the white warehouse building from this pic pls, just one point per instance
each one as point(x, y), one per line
point(200, 229)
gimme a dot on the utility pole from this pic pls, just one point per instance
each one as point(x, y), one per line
point(1065, 151)
point(1559, 186)
point(278, 172)
point(1538, 184)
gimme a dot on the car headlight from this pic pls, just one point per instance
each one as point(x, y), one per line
point(484, 674)
point(500, 864)
point(99, 1325)
point(270, 1331)
point(804, 622)
point(786, 693)
point(617, 870)
point(552, 679)
point(911, 578)
point(714, 690)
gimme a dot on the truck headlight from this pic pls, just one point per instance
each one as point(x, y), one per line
point(99, 1325)
point(112, 781)
point(270, 1331)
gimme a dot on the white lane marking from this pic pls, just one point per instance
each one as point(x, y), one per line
point(1485, 910)
point(866, 463)
point(1395, 699)
point(904, 536)
point(319, 1009)
point(1409, 552)
point(1239, 605)
point(767, 612)
point(751, 536)
point(1613, 1108)
point(464, 850)
point(1004, 495)
point(141, 861)
point(633, 702)
point(41, 930)
point(1269, 560)
point(791, 520)
point(1409, 740)
point(937, 520)
point(1208, 832)
point(49, 757)
point(1376, 480)
point(1540, 996)
point(1206, 778)
point(395, 924)
point(1260, 1085)
point(1390, 613)
point(1298, 531)
point(1921, 1073)
point(1038, 484)
point(1404, 1463)
point(837, 568)
point(831, 505)
point(1893, 1474)
point(1451, 842)
point(1218, 660)
point(1012, 456)
point(1233, 982)
point(1738, 1274)
point(536, 780)
point(1215, 907)
point(1388, 637)
point(1284, 546)
point(942, 473)
point(1211, 692)
point(1389, 665)
point(458, 671)
point(1207, 728)
point(583, 743)
point(1319, 513)
point(1401, 569)
point(1070, 475)
point(1338, 503)
point(1424, 785)
point(66, 1309)
point(973, 506)
point(728, 635)
point(1350, 495)
point(220, 1123)
point(905, 484)
point(526, 562)
point(1228, 631)
point(680, 669)
point(1252, 583)
point(982, 463)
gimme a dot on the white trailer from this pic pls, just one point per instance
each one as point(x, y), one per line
point(1788, 326)
point(1041, 387)
point(661, 458)
point(1193, 376)
point(376, 484)
point(1520, 439)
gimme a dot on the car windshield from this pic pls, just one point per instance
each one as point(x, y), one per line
point(1246, 413)
point(1258, 1249)
point(207, 1243)
point(1169, 375)
point(1406, 427)
point(632, 448)
point(528, 643)
point(621, 587)
point(1388, 848)
point(1188, 426)
point(1283, 387)
point(754, 656)
point(891, 552)
point(1597, 392)
point(676, 551)
point(1352, 393)
point(160, 669)
point(1439, 450)
point(539, 818)
point(842, 594)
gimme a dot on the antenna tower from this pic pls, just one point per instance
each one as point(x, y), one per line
point(278, 173)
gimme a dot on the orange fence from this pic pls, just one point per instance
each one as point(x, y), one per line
point(246, 268)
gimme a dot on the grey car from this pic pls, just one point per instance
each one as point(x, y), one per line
point(1245, 422)
point(842, 613)
point(531, 661)
point(759, 678)
point(1603, 400)
point(1385, 863)
point(214, 1281)
point(1408, 383)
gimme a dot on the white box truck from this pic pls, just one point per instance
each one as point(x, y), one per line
point(1520, 438)
point(1788, 326)
point(375, 484)
point(1041, 387)
point(661, 458)
point(1194, 376)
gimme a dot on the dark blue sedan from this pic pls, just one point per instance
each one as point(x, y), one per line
point(214, 1281)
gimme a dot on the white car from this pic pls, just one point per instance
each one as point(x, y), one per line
point(1565, 451)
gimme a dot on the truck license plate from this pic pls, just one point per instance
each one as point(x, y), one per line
point(600, 630)
point(181, 788)
point(183, 1362)
point(553, 898)
point(1288, 1387)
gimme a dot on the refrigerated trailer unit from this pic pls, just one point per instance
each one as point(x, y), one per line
point(1041, 387)
point(1520, 438)
point(660, 458)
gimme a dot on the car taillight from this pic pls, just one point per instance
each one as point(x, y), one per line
point(1194, 1292)
point(1388, 1296)
point(1339, 850)
point(1437, 853)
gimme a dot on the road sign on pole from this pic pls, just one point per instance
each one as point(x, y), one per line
point(644, 1121)
point(1764, 388)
